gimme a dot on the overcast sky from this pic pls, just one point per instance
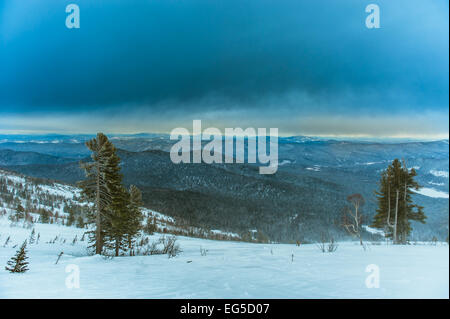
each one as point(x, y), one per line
point(306, 67)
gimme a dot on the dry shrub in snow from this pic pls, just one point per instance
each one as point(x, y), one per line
point(165, 245)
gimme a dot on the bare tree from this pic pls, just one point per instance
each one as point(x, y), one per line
point(352, 217)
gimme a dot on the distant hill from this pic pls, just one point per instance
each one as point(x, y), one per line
point(304, 198)
point(9, 157)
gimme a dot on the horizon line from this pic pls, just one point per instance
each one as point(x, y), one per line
point(437, 137)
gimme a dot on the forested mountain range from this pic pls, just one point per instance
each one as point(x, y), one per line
point(304, 198)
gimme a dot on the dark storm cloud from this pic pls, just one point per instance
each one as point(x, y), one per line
point(207, 55)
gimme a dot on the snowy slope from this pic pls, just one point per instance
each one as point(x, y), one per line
point(229, 270)
point(430, 192)
point(33, 195)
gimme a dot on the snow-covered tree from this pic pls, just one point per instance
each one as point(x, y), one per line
point(19, 263)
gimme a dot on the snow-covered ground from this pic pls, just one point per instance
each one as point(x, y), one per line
point(439, 173)
point(229, 270)
point(431, 192)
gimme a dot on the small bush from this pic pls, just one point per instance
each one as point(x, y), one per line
point(170, 247)
point(332, 246)
point(327, 244)
point(165, 245)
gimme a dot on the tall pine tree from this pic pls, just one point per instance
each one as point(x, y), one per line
point(395, 205)
point(96, 186)
point(117, 221)
point(135, 217)
point(117, 215)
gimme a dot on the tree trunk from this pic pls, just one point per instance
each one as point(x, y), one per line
point(98, 229)
point(117, 247)
point(396, 218)
point(388, 219)
point(405, 216)
point(130, 246)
